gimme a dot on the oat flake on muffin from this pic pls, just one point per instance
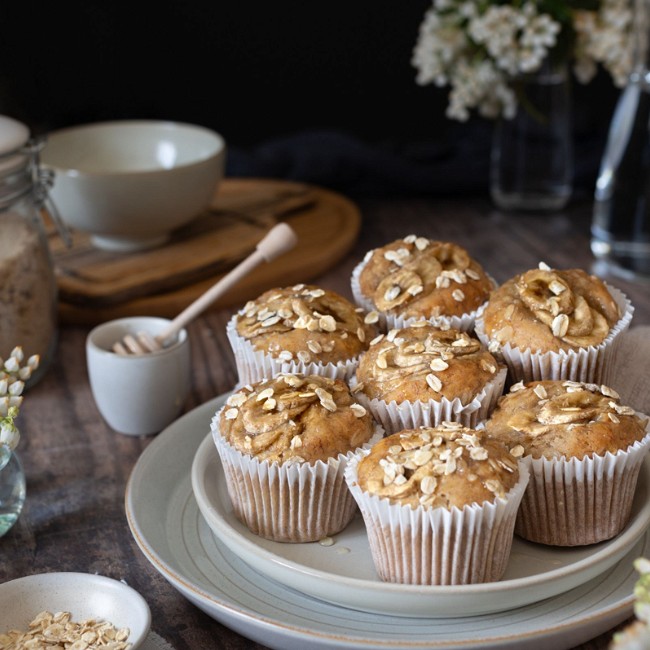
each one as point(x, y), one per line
point(438, 467)
point(547, 309)
point(292, 418)
point(421, 375)
point(555, 418)
point(555, 324)
point(302, 328)
point(422, 362)
point(418, 278)
point(284, 444)
point(584, 450)
point(439, 504)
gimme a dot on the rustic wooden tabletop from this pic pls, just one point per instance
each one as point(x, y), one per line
point(77, 468)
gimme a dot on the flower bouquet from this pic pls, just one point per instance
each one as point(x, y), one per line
point(480, 48)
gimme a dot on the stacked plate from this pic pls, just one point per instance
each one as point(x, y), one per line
point(293, 595)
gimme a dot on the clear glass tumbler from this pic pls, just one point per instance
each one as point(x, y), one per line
point(531, 163)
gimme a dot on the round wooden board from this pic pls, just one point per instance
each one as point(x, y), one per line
point(327, 229)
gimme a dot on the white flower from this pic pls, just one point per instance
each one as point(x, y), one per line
point(479, 49)
point(12, 382)
point(603, 37)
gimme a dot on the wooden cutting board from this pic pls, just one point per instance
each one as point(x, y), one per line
point(97, 285)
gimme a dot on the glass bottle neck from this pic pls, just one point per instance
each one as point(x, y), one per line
point(641, 35)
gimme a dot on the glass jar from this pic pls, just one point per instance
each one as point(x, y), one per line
point(531, 161)
point(620, 230)
point(28, 289)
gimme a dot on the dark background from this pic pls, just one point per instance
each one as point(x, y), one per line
point(323, 92)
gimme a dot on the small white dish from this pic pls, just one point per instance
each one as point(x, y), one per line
point(138, 394)
point(173, 536)
point(84, 595)
point(343, 573)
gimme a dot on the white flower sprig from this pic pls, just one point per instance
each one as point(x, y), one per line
point(636, 635)
point(603, 37)
point(13, 375)
point(479, 48)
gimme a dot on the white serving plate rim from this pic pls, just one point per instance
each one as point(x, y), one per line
point(374, 595)
point(266, 610)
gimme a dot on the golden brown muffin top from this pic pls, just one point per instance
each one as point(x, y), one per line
point(438, 467)
point(416, 277)
point(305, 323)
point(423, 362)
point(295, 418)
point(556, 418)
point(550, 310)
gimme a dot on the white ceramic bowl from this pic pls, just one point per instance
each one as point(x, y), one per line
point(129, 183)
point(84, 595)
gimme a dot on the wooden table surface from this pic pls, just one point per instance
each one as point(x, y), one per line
point(77, 468)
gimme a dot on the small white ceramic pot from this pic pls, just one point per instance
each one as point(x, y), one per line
point(138, 395)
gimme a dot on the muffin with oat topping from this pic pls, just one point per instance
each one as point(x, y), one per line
point(416, 278)
point(554, 324)
point(302, 329)
point(439, 504)
point(584, 449)
point(421, 375)
point(284, 444)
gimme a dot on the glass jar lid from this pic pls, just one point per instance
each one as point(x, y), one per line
point(13, 134)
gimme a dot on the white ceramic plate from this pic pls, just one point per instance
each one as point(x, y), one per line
point(84, 595)
point(169, 529)
point(344, 573)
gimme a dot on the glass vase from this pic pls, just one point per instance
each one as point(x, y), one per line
point(531, 163)
point(620, 231)
point(12, 488)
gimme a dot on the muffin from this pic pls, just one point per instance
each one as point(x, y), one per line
point(584, 449)
point(284, 444)
point(303, 329)
point(421, 375)
point(439, 504)
point(554, 324)
point(420, 279)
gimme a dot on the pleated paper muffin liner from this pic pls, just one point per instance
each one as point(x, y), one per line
point(464, 323)
point(438, 546)
point(589, 364)
point(288, 502)
point(396, 416)
point(255, 365)
point(574, 502)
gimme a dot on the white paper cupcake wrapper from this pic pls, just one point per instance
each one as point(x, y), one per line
point(590, 364)
point(438, 546)
point(410, 415)
point(573, 502)
point(288, 502)
point(464, 323)
point(255, 365)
